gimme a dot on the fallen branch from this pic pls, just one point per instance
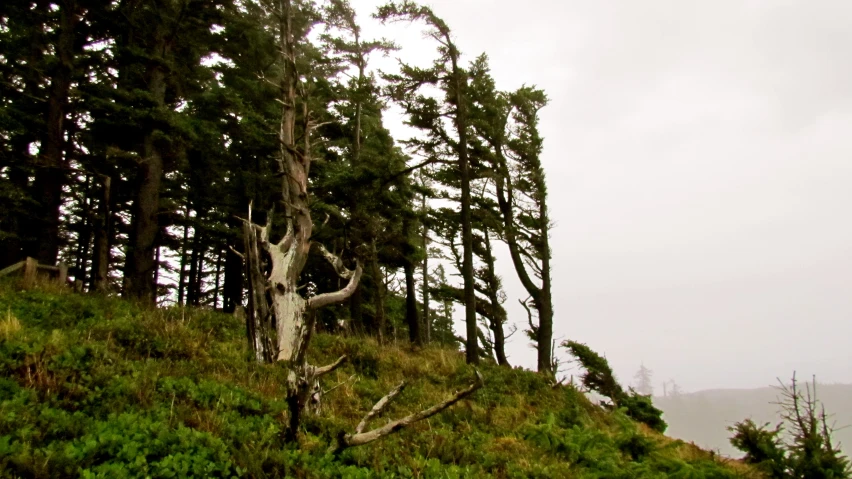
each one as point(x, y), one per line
point(360, 437)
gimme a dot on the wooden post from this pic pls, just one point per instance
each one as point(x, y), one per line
point(63, 274)
point(30, 272)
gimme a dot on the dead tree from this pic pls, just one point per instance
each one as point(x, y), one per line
point(279, 319)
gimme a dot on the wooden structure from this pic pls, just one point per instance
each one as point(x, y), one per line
point(32, 270)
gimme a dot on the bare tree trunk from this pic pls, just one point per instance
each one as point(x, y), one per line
point(411, 316)
point(217, 280)
point(232, 296)
point(84, 236)
point(427, 321)
point(378, 295)
point(183, 251)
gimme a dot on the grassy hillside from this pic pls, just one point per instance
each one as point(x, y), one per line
point(704, 416)
point(96, 387)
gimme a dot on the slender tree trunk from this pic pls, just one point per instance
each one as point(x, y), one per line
point(84, 237)
point(378, 296)
point(427, 319)
point(183, 259)
point(156, 273)
point(198, 281)
point(356, 313)
point(541, 296)
point(100, 260)
point(217, 281)
point(471, 345)
point(411, 316)
point(545, 315)
point(232, 296)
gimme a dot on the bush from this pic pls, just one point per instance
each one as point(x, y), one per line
point(598, 377)
point(810, 455)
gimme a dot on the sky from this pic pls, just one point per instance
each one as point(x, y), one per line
point(699, 163)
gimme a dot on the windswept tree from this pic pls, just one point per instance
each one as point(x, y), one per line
point(428, 114)
point(506, 133)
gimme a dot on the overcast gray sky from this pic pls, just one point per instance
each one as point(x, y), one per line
point(699, 160)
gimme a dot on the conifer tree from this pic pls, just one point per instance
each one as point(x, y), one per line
point(427, 114)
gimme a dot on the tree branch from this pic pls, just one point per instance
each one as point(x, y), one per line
point(360, 438)
point(379, 407)
point(325, 299)
point(321, 371)
point(335, 261)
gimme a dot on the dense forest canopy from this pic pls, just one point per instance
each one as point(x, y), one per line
point(139, 138)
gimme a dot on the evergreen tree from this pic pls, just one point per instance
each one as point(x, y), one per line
point(507, 141)
point(427, 114)
point(644, 381)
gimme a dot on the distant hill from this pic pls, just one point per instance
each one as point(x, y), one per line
point(703, 417)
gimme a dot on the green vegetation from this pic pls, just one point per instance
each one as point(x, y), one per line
point(811, 452)
point(95, 386)
point(598, 377)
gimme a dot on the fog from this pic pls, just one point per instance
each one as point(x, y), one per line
point(699, 162)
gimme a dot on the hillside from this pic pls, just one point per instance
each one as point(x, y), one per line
point(703, 416)
point(96, 387)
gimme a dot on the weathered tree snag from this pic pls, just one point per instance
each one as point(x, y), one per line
point(273, 268)
point(360, 437)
